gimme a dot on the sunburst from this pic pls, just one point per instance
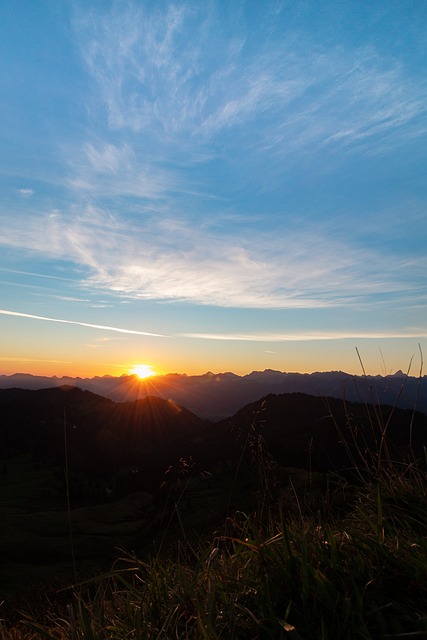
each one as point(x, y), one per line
point(143, 371)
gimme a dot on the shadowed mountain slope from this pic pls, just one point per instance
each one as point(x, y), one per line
point(100, 434)
point(104, 436)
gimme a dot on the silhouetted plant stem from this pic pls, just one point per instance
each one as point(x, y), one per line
point(67, 492)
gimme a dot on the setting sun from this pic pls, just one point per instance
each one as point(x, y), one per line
point(143, 371)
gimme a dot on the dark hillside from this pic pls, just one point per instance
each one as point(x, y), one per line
point(150, 434)
point(132, 463)
point(325, 433)
point(102, 435)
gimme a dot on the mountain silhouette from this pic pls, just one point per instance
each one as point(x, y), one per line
point(101, 435)
point(148, 435)
point(216, 396)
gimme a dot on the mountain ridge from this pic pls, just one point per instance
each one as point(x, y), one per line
point(215, 396)
point(104, 437)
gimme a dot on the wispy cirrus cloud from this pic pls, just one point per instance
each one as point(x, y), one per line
point(102, 169)
point(156, 75)
point(26, 193)
point(172, 89)
point(170, 102)
point(143, 64)
point(297, 272)
point(169, 260)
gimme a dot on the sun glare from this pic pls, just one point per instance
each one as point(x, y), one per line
point(143, 371)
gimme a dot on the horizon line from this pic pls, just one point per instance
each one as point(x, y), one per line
point(399, 373)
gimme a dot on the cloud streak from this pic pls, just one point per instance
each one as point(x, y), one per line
point(80, 324)
point(35, 274)
point(26, 193)
point(309, 336)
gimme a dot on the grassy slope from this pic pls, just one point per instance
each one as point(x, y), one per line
point(34, 537)
point(303, 556)
point(351, 563)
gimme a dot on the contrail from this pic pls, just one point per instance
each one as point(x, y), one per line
point(14, 359)
point(81, 324)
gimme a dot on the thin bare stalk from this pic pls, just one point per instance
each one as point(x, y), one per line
point(67, 491)
point(420, 375)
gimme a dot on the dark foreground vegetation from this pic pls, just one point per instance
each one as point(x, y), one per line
point(298, 518)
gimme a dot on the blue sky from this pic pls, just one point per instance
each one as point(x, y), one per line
point(212, 185)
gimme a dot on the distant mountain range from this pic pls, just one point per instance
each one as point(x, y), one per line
point(216, 396)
